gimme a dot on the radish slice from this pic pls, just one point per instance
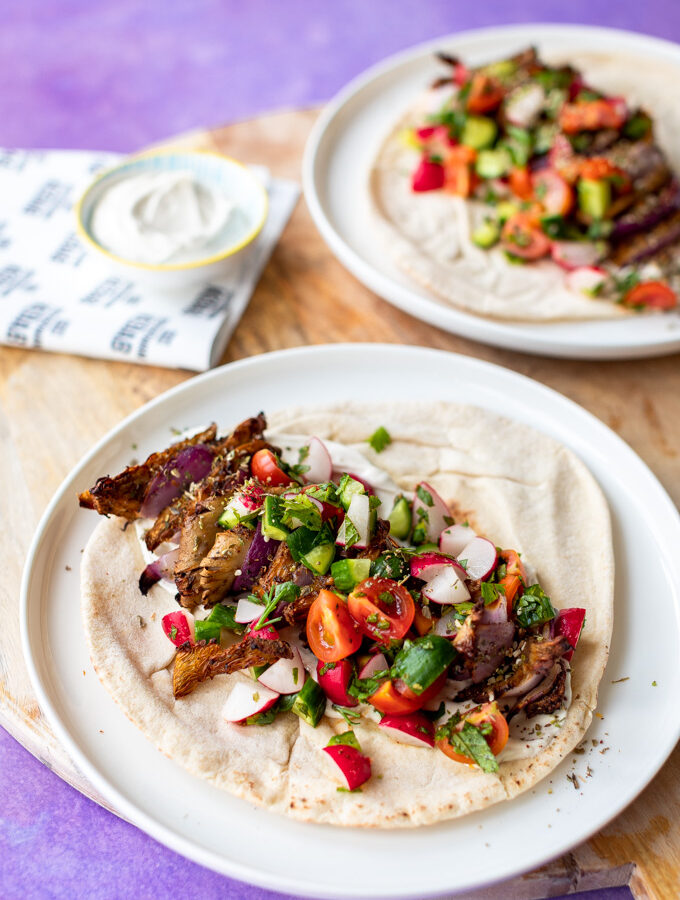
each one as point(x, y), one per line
point(478, 558)
point(427, 565)
point(285, 676)
point(430, 511)
point(446, 626)
point(569, 622)
point(586, 280)
point(319, 461)
point(359, 514)
point(335, 681)
point(355, 767)
point(446, 587)
point(247, 611)
point(267, 632)
point(455, 538)
point(376, 663)
point(576, 254)
point(525, 104)
point(248, 700)
point(179, 627)
point(163, 567)
point(416, 729)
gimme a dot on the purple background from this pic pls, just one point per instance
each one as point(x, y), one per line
point(118, 74)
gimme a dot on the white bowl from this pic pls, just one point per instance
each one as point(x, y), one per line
point(213, 171)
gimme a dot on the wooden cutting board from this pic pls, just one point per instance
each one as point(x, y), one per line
point(53, 408)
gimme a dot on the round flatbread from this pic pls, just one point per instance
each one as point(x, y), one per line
point(514, 484)
point(428, 234)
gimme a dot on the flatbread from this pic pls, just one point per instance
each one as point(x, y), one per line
point(428, 234)
point(513, 483)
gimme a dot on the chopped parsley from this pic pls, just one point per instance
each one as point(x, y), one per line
point(362, 688)
point(424, 495)
point(534, 607)
point(380, 439)
point(279, 593)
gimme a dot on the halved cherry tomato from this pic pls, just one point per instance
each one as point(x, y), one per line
point(592, 115)
point(651, 295)
point(382, 608)
point(520, 182)
point(265, 468)
point(515, 577)
point(459, 176)
point(522, 237)
point(331, 632)
point(485, 94)
point(552, 192)
point(396, 698)
point(598, 167)
point(488, 713)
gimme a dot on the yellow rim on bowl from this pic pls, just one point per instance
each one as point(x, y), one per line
point(170, 267)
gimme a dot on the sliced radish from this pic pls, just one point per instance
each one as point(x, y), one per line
point(430, 511)
point(179, 627)
point(247, 611)
point(335, 680)
point(415, 729)
point(285, 676)
point(319, 461)
point(569, 622)
point(243, 504)
point(377, 663)
point(267, 632)
point(427, 566)
point(162, 567)
point(355, 767)
point(525, 104)
point(248, 700)
point(576, 254)
point(359, 514)
point(446, 587)
point(586, 280)
point(478, 558)
point(454, 538)
point(446, 626)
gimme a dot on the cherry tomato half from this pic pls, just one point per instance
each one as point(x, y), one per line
point(595, 168)
point(652, 295)
point(396, 698)
point(382, 608)
point(552, 192)
point(331, 632)
point(496, 739)
point(592, 115)
point(514, 578)
point(485, 94)
point(265, 468)
point(520, 182)
point(522, 237)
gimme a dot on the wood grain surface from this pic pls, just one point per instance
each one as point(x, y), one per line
point(53, 408)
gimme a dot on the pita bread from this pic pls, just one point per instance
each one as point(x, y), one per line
point(515, 484)
point(428, 234)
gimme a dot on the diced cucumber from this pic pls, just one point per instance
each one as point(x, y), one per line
point(310, 703)
point(400, 519)
point(286, 702)
point(347, 488)
point(272, 525)
point(594, 197)
point(493, 163)
point(506, 209)
point(347, 737)
point(428, 547)
point(502, 69)
point(300, 542)
point(224, 616)
point(544, 137)
point(420, 663)
point(319, 558)
point(487, 234)
point(206, 630)
point(478, 132)
point(347, 573)
point(518, 143)
point(256, 671)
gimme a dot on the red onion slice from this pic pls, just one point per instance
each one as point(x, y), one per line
point(163, 567)
point(189, 466)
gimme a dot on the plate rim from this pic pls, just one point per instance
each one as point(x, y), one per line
point(458, 321)
point(165, 834)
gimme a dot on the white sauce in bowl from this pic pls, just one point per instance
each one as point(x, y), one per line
point(163, 217)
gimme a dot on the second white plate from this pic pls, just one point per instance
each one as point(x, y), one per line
point(343, 144)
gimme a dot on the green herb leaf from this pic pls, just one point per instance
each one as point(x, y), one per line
point(348, 738)
point(348, 713)
point(470, 742)
point(424, 495)
point(534, 607)
point(362, 688)
point(380, 439)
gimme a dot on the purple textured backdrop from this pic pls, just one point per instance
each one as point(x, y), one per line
point(118, 74)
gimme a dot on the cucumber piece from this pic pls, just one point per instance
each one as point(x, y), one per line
point(347, 488)
point(400, 519)
point(420, 663)
point(256, 671)
point(502, 69)
point(486, 235)
point(348, 738)
point(319, 558)
point(272, 525)
point(310, 703)
point(348, 573)
point(493, 163)
point(544, 137)
point(224, 616)
point(478, 132)
point(286, 702)
point(518, 143)
point(505, 210)
point(594, 197)
point(427, 547)
point(206, 630)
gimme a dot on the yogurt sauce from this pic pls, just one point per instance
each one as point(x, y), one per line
point(162, 217)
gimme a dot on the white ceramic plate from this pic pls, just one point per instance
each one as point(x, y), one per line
point(640, 723)
point(346, 138)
